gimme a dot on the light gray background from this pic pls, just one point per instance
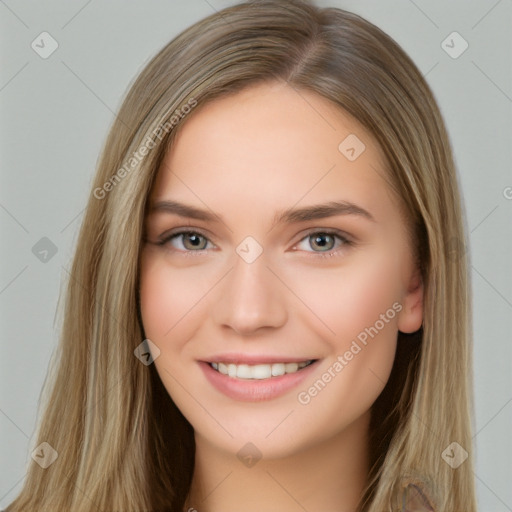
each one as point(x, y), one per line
point(55, 116)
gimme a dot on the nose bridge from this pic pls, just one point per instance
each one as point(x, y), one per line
point(250, 298)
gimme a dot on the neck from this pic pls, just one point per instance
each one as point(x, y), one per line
point(329, 475)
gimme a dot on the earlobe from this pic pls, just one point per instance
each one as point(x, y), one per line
point(410, 318)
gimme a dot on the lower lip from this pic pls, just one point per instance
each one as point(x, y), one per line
point(255, 390)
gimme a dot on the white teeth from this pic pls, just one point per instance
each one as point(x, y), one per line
point(258, 371)
point(278, 369)
point(242, 371)
point(262, 371)
point(291, 367)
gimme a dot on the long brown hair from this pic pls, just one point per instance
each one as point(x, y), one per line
point(122, 444)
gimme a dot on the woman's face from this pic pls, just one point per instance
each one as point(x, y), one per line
point(275, 253)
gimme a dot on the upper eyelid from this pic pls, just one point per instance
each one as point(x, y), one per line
point(345, 239)
point(166, 237)
point(180, 231)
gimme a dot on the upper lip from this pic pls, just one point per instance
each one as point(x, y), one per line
point(253, 359)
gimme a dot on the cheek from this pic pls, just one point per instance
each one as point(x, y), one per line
point(359, 304)
point(159, 307)
point(353, 297)
point(171, 302)
point(168, 298)
point(348, 383)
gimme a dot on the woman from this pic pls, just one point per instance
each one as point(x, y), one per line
point(265, 311)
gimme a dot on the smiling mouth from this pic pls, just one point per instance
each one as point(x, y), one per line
point(259, 371)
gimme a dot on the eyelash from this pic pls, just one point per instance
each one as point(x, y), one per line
point(345, 242)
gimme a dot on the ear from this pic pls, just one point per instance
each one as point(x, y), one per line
point(410, 317)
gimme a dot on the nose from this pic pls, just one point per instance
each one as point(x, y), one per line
point(250, 299)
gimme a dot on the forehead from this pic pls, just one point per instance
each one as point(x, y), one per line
point(272, 146)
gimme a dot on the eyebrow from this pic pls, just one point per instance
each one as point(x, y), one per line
point(290, 215)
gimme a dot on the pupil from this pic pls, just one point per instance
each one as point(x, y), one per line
point(192, 240)
point(322, 241)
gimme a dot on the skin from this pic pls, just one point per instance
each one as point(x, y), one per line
point(246, 158)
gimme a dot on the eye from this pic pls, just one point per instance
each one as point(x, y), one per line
point(186, 241)
point(322, 242)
